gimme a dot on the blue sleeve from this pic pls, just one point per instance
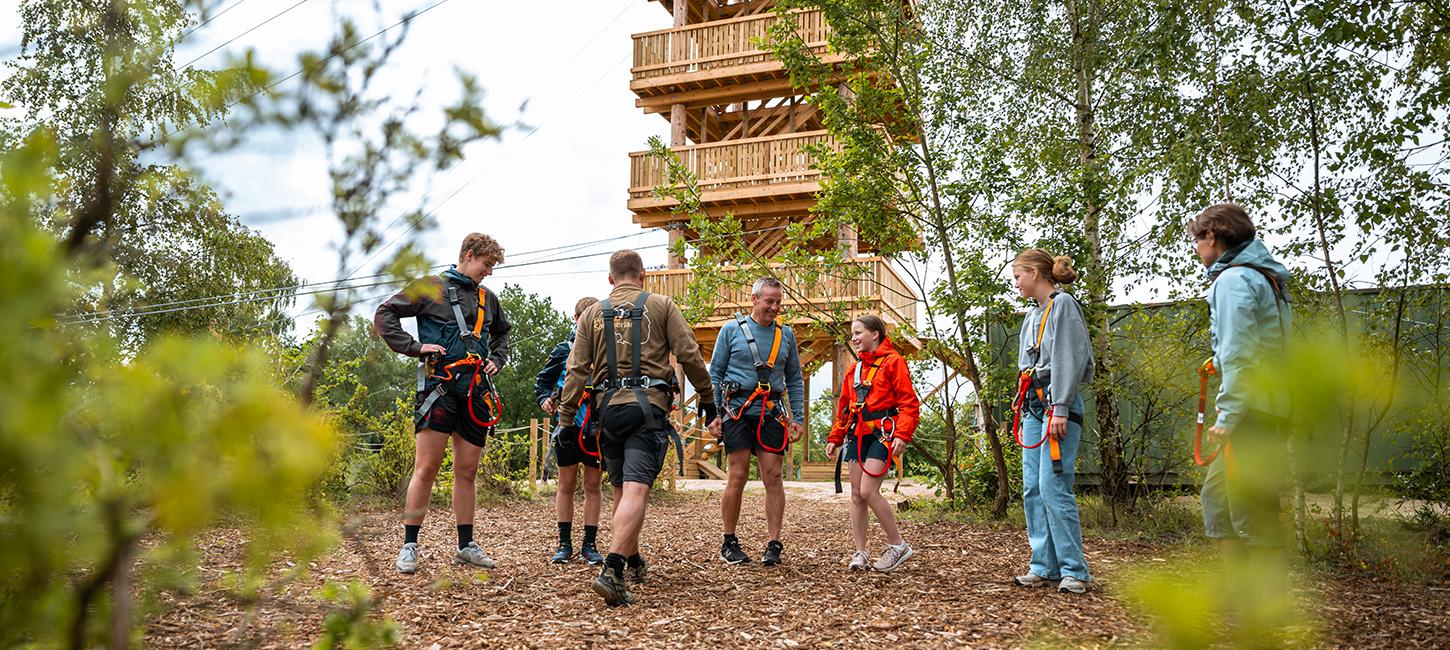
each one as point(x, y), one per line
point(553, 369)
point(795, 385)
point(720, 362)
point(1237, 340)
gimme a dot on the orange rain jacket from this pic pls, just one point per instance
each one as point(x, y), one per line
point(891, 387)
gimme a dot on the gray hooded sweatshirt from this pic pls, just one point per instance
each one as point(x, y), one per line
point(1066, 352)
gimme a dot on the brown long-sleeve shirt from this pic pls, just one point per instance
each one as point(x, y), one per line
point(665, 332)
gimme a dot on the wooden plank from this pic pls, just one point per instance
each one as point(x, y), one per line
point(533, 454)
point(710, 470)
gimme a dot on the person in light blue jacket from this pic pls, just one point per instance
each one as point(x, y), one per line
point(1249, 325)
point(756, 363)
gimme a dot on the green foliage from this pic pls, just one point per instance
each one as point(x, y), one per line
point(537, 326)
point(94, 73)
point(100, 449)
point(350, 624)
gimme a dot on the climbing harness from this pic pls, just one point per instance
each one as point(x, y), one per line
point(770, 400)
point(1208, 369)
point(1032, 382)
point(858, 418)
point(479, 382)
point(636, 382)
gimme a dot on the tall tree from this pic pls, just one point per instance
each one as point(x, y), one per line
point(102, 71)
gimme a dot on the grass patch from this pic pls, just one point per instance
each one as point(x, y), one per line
point(1156, 518)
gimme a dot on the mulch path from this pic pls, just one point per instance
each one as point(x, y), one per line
point(953, 593)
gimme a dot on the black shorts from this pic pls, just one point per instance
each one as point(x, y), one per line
point(740, 434)
point(449, 413)
point(632, 452)
point(872, 447)
point(568, 453)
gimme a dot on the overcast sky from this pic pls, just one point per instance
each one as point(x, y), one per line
point(564, 183)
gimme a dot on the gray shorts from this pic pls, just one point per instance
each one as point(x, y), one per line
point(632, 452)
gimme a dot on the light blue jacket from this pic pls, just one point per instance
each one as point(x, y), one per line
point(732, 362)
point(1248, 328)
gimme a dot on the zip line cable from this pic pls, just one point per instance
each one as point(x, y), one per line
point(214, 16)
point(253, 29)
point(338, 285)
point(283, 290)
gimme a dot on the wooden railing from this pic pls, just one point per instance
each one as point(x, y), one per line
point(733, 163)
point(877, 286)
point(717, 44)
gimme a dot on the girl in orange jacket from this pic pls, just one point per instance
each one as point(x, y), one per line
point(876, 414)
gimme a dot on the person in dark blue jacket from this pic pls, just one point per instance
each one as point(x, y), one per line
point(462, 342)
point(572, 452)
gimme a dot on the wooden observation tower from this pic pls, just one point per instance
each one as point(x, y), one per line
point(739, 126)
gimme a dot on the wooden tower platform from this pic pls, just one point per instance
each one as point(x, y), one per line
point(740, 127)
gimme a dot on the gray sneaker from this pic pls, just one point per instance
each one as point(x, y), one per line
point(859, 561)
point(893, 556)
point(1031, 580)
point(1071, 585)
point(408, 558)
point(612, 589)
point(472, 554)
point(637, 574)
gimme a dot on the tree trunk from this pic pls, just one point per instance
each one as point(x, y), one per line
point(1111, 463)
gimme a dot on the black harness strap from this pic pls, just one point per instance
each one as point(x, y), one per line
point(636, 381)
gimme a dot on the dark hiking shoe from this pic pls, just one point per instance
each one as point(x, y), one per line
point(562, 555)
point(611, 589)
point(638, 574)
point(591, 555)
point(772, 553)
point(731, 552)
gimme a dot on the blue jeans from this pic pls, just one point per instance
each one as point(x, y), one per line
point(1054, 530)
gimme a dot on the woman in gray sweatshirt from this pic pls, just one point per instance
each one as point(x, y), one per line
point(1056, 358)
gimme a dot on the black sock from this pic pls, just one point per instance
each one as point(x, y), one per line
point(615, 562)
point(634, 560)
point(410, 533)
point(465, 535)
point(590, 534)
point(565, 535)
point(730, 537)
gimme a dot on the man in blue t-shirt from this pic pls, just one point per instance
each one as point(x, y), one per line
point(756, 362)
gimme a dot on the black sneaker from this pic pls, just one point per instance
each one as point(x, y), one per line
point(591, 555)
point(611, 589)
point(731, 552)
point(772, 553)
point(638, 574)
point(562, 555)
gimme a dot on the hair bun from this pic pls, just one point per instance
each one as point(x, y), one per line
point(1062, 271)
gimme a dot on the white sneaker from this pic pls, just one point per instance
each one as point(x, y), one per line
point(408, 558)
point(893, 556)
point(472, 554)
point(1071, 585)
point(1031, 580)
point(859, 561)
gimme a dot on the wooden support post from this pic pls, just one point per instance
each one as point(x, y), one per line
point(676, 230)
point(806, 439)
point(533, 455)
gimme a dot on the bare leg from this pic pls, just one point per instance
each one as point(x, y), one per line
point(774, 492)
point(592, 496)
point(426, 461)
point(859, 518)
point(564, 497)
point(465, 474)
point(738, 474)
point(629, 519)
point(871, 489)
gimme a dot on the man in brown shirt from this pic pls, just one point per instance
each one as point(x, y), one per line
point(622, 348)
